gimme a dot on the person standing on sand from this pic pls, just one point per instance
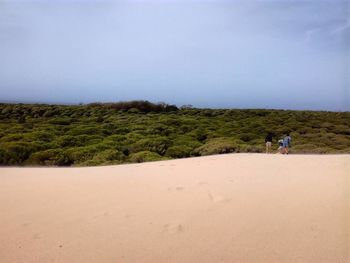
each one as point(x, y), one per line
point(286, 143)
point(280, 146)
point(268, 142)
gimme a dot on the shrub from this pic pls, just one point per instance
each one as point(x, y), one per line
point(156, 144)
point(84, 130)
point(60, 121)
point(248, 137)
point(179, 151)
point(67, 141)
point(341, 129)
point(200, 134)
point(105, 157)
point(145, 156)
point(217, 146)
point(15, 153)
point(310, 148)
point(186, 140)
point(22, 119)
point(12, 137)
point(79, 155)
point(47, 157)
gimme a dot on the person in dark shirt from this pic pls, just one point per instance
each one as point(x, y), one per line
point(268, 142)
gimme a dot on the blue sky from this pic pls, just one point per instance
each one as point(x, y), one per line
point(213, 53)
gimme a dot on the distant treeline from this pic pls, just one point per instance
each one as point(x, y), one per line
point(138, 131)
point(46, 110)
point(137, 105)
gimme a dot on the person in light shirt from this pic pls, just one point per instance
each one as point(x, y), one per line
point(287, 143)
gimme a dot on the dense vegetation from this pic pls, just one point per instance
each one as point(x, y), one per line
point(138, 131)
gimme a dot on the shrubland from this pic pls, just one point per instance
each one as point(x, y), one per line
point(139, 131)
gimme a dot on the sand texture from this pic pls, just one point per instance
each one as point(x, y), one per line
point(229, 208)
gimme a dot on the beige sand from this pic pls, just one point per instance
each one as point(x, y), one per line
point(228, 208)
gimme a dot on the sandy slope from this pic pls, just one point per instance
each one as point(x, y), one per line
point(229, 208)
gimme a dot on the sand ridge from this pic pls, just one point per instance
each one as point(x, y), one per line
point(222, 208)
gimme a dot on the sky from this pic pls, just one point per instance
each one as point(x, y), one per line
point(210, 53)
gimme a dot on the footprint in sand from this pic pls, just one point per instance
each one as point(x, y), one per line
point(173, 228)
point(218, 198)
point(202, 183)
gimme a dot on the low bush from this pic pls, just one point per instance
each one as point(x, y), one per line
point(105, 157)
point(145, 156)
point(217, 146)
point(179, 151)
point(60, 121)
point(15, 153)
point(156, 144)
point(48, 157)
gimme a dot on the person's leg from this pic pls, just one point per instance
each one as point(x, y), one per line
point(267, 147)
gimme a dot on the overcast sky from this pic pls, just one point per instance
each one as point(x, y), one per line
point(236, 54)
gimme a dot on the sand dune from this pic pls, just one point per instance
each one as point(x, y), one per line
point(228, 208)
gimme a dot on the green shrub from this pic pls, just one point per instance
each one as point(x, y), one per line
point(341, 129)
point(217, 146)
point(84, 130)
point(12, 137)
point(105, 157)
point(248, 137)
point(184, 140)
point(178, 151)
point(79, 155)
point(60, 121)
point(145, 156)
point(15, 153)
point(156, 144)
point(48, 157)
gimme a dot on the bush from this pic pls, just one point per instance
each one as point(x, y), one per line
point(156, 144)
point(217, 146)
point(179, 151)
point(248, 137)
point(310, 148)
point(341, 129)
point(47, 157)
point(12, 137)
point(79, 155)
point(15, 153)
point(145, 156)
point(60, 121)
point(105, 157)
